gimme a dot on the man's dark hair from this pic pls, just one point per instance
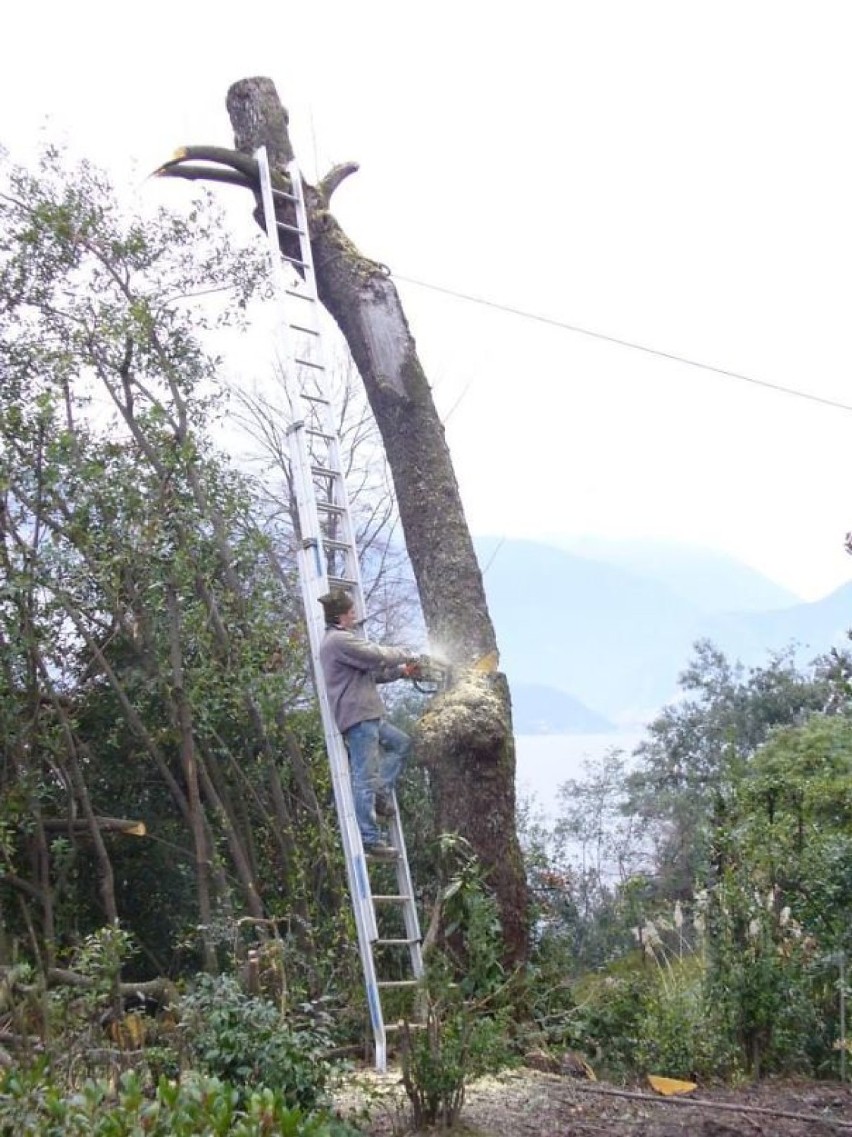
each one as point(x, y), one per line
point(335, 604)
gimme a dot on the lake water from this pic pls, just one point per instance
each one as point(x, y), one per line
point(545, 761)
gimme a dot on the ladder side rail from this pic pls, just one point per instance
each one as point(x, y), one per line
point(306, 499)
point(357, 872)
point(314, 582)
point(315, 408)
point(348, 526)
point(271, 227)
point(353, 850)
point(302, 224)
point(309, 286)
point(279, 283)
point(406, 888)
point(358, 877)
point(313, 569)
point(326, 412)
point(312, 555)
point(340, 534)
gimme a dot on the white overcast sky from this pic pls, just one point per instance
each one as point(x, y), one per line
point(673, 174)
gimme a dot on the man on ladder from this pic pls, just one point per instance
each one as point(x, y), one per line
point(377, 750)
point(346, 667)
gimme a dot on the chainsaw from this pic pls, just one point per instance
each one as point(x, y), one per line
point(428, 674)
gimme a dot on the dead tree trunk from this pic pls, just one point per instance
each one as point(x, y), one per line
point(467, 736)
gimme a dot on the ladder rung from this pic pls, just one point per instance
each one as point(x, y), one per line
point(309, 363)
point(317, 433)
point(307, 332)
point(325, 472)
point(337, 546)
point(395, 897)
point(321, 399)
point(396, 943)
point(330, 507)
point(284, 194)
point(297, 261)
point(298, 295)
point(341, 582)
point(289, 228)
point(411, 1026)
point(398, 983)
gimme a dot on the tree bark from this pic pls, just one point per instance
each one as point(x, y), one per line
point(189, 759)
point(468, 737)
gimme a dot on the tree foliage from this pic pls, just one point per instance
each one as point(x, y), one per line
point(700, 745)
point(153, 669)
point(725, 937)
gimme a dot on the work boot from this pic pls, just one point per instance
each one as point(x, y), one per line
point(381, 850)
point(384, 807)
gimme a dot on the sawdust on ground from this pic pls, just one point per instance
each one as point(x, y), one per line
point(530, 1103)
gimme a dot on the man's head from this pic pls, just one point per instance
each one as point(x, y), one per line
point(339, 608)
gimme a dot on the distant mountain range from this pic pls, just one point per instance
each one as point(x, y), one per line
point(588, 641)
point(713, 581)
point(539, 709)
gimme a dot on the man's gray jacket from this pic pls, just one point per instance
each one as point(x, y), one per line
point(352, 667)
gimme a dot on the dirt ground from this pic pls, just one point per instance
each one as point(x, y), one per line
point(529, 1103)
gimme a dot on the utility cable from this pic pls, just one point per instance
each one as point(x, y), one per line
point(554, 323)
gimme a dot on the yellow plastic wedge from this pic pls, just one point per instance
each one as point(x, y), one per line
point(669, 1086)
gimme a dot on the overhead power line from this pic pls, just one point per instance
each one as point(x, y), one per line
point(549, 320)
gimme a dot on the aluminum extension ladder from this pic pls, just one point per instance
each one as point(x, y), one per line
point(328, 558)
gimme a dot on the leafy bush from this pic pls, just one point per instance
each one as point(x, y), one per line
point(608, 1021)
point(31, 1105)
point(647, 1014)
point(452, 1048)
point(550, 999)
point(679, 1033)
point(249, 1043)
point(464, 1005)
point(759, 977)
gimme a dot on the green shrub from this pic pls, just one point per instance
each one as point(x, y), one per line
point(759, 978)
point(608, 1022)
point(32, 1106)
point(464, 1004)
point(247, 1042)
point(680, 1037)
point(550, 1001)
point(456, 1043)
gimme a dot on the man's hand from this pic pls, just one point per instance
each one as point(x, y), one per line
point(411, 669)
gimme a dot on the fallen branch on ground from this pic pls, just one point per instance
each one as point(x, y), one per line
point(722, 1106)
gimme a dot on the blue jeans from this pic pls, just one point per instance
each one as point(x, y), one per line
point(377, 755)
